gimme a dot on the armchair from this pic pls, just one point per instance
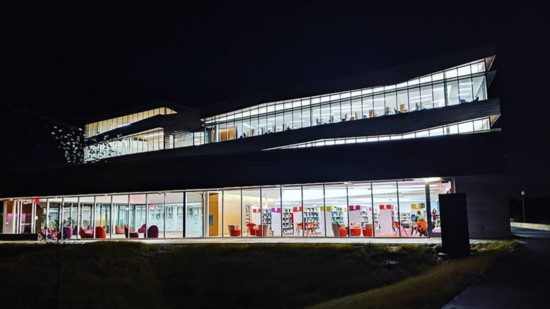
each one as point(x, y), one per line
point(251, 229)
point(142, 228)
point(67, 232)
point(234, 230)
point(118, 229)
point(85, 233)
point(153, 232)
point(100, 232)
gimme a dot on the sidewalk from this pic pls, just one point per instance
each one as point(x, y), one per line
point(519, 280)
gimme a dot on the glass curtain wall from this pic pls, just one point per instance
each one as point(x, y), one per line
point(103, 126)
point(457, 85)
point(399, 208)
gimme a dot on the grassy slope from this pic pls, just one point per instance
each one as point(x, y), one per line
point(135, 275)
point(432, 289)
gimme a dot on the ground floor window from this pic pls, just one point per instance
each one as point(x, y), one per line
point(396, 208)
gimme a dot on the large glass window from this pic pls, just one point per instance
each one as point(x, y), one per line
point(436, 188)
point(368, 107)
point(271, 212)
point(415, 104)
point(137, 214)
point(103, 216)
point(292, 211)
point(379, 108)
point(173, 212)
point(314, 211)
point(194, 214)
point(86, 228)
point(465, 92)
point(233, 225)
point(426, 97)
point(155, 220)
point(356, 109)
point(452, 92)
point(412, 208)
point(69, 217)
point(345, 110)
point(391, 103)
point(479, 88)
point(120, 215)
point(252, 212)
point(385, 209)
point(336, 210)
point(360, 209)
point(438, 95)
point(403, 101)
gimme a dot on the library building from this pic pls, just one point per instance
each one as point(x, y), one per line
point(365, 157)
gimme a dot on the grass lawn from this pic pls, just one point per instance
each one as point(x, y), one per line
point(432, 289)
point(136, 275)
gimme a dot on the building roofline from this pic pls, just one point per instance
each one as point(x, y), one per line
point(141, 108)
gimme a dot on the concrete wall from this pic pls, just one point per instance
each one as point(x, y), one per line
point(488, 215)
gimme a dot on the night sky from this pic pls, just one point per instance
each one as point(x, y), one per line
point(69, 61)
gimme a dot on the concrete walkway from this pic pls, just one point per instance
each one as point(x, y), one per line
point(519, 280)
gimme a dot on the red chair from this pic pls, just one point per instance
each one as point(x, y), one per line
point(85, 233)
point(118, 229)
point(142, 228)
point(343, 232)
point(251, 229)
point(367, 231)
point(100, 232)
point(234, 230)
point(355, 231)
point(153, 232)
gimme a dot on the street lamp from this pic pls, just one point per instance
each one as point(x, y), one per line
point(523, 203)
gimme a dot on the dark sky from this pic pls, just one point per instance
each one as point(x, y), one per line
point(70, 60)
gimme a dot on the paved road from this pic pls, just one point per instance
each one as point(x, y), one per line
point(519, 280)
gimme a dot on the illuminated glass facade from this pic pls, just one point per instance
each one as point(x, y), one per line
point(454, 86)
point(349, 209)
point(335, 202)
